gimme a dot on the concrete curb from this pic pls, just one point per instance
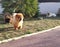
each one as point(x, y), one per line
point(15, 38)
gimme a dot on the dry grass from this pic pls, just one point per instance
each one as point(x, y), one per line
point(7, 31)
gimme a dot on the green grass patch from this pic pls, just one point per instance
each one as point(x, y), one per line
point(27, 32)
point(29, 26)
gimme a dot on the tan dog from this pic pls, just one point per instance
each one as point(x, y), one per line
point(17, 20)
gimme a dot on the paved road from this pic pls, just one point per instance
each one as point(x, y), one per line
point(47, 39)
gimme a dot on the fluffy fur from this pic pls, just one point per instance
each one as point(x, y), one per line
point(17, 20)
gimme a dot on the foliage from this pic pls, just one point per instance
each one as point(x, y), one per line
point(28, 7)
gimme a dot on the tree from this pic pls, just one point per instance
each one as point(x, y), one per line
point(28, 7)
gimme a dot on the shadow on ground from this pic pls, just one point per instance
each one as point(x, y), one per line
point(6, 29)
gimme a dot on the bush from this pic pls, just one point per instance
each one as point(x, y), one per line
point(28, 7)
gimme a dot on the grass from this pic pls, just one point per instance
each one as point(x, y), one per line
point(30, 26)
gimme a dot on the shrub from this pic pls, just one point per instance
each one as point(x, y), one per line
point(28, 7)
